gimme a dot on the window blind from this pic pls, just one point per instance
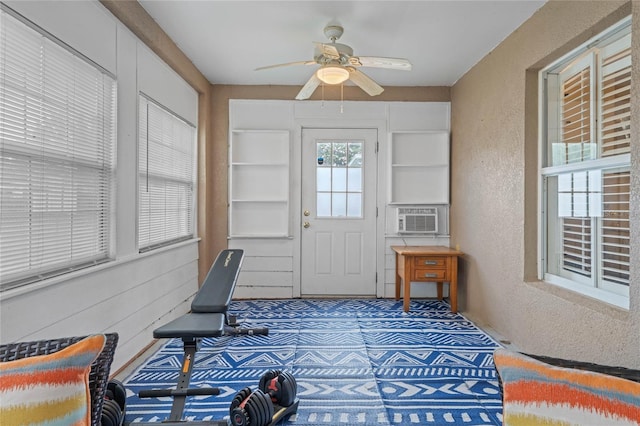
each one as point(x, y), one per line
point(615, 92)
point(615, 227)
point(576, 116)
point(615, 138)
point(166, 182)
point(576, 135)
point(57, 134)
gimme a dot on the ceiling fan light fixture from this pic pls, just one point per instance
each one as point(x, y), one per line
point(332, 74)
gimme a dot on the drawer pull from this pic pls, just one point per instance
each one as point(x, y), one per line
point(430, 262)
point(431, 275)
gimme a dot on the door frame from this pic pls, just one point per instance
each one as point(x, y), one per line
point(366, 224)
point(343, 122)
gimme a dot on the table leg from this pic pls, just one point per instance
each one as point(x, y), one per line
point(407, 283)
point(453, 285)
point(439, 290)
point(398, 282)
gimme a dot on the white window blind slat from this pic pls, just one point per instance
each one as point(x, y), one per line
point(166, 153)
point(615, 140)
point(576, 129)
point(57, 122)
point(615, 94)
point(615, 229)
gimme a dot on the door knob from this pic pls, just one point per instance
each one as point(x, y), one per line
point(306, 224)
point(306, 213)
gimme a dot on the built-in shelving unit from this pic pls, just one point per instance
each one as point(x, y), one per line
point(419, 167)
point(259, 184)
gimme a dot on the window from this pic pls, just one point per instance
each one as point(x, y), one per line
point(57, 134)
point(585, 173)
point(339, 179)
point(166, 181)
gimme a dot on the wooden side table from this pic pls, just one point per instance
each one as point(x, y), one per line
point(437, 264)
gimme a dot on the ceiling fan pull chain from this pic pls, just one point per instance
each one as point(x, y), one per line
point(341, 98)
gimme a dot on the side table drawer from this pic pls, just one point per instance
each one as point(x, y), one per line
point(430, 262)
point(429, 275)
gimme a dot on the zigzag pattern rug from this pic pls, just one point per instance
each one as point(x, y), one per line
point(356, 362)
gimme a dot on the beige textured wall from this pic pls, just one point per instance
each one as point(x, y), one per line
point(493, 215)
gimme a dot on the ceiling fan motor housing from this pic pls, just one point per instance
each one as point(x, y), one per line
point(333, 32)
point(345, 52)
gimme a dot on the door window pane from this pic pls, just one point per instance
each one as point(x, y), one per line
point(324, 179)
point(338, 204)
point(323, 206)
point(354, 179)
point(324, 153)
point(339, 179)
point(339, 154)
point(354, 205)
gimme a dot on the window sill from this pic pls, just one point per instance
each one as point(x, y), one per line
point(617, 300)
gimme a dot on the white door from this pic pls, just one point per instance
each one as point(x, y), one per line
point(338, 217)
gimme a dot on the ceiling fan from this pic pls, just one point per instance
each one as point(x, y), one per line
point(338, 64)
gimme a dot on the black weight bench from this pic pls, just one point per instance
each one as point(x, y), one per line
point(217, 289)
point(208, 318)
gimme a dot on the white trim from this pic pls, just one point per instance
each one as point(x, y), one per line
point(618, 300)
point(606, 163)
point(597, 40)
point(583, 56)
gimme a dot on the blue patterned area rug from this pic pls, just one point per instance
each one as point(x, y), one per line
point(356, 362)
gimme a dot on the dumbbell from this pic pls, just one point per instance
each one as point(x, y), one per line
point(280, 386)
point(251, 408)
point(114, 405)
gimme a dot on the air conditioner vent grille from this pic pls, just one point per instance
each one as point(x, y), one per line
point(417, 220)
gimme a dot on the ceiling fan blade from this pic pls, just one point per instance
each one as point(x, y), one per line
point(365, 82)
point(328, 49)
point(380, 62)
point(309, 88)
point(286, 65)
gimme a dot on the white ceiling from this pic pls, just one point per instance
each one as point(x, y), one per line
point(227, 40)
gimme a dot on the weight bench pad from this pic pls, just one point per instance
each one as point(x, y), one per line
point(192, 326)
point(216, 291)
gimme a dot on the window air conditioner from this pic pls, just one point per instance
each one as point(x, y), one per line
point(413, 220)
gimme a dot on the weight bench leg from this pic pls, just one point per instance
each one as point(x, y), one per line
point(182, 389)
point(190, 349)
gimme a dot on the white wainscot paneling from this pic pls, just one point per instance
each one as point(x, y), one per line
point(86, 26)
point(128, 297)
point(267, 269)
point(263, 115)
point(340, 111)
point(158, 81)
point(407, 116)
point(265, 279)
point(268, 263)
point(269, 247)
point(264, 285)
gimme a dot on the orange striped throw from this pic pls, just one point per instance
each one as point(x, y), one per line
point(536, 393)
point(49, 389)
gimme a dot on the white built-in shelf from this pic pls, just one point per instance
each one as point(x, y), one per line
point(259, 184)
point(419, 167)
